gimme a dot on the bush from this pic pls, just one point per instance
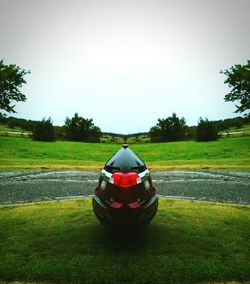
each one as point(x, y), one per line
point(44, 131)
point(78, 128)
point(206, 130)
point(170, 129)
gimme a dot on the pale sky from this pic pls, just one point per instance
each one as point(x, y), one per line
point(125, 63)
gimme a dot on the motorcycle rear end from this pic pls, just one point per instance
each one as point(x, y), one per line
point(125, 196)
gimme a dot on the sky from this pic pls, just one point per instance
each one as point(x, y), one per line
point(125, 63)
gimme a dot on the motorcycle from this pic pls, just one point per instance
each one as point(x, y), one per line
point(125, 195)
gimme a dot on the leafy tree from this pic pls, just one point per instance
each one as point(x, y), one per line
point(155, 133)
point(225, 124)
point(11, 80)
point(60, 132)
point(169, 129)
point(206, 130)
point(44, 130)
point(80, 129)
point(3, 118)
point(190, 133)
point(21, 123)
point(238, 79)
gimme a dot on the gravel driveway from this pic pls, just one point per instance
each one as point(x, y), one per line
point(20, 187)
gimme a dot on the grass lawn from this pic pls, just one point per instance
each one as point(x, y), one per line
point(187, 242)
point(23, 153)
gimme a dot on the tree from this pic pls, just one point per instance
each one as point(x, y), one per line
point(169, 129)
point(238, 79)
point(225, 124)
point(44, 130)
point(80, 129)
point(206, 130)
point(11, 80)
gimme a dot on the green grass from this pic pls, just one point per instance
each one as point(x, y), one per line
point(5, 130)
point(236, 132)
point(109, 139)
point(187, 242)
point(138, 139)
point(21, 153)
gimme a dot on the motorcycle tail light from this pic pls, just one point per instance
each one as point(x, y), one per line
point(126, 180)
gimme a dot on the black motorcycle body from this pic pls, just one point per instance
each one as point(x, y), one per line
point(125, 195)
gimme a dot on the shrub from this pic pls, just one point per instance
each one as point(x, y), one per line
point(170, 129)
point(206, 130)
point(78, 128)
point(44, 131)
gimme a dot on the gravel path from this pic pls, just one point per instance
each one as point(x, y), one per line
point(21, 187)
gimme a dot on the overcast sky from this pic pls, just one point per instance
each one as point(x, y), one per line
point(125, 63)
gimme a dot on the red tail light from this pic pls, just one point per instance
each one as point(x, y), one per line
point(125, 180)
point(116, 205)
point(134, 205)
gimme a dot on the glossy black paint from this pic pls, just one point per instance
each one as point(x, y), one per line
point(125, 161)
point(118, 206)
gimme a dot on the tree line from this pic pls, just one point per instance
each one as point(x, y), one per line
point(167, 129)
point(81, 129)
point(174, 128)
point(76, 128)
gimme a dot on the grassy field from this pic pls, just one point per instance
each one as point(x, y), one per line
point(23, 153)
point(130, 140)
point(13, 132)
point(236, 132)
point(187, 242)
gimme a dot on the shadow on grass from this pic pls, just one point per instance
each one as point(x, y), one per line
point(186, 242)
point(123, 240)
